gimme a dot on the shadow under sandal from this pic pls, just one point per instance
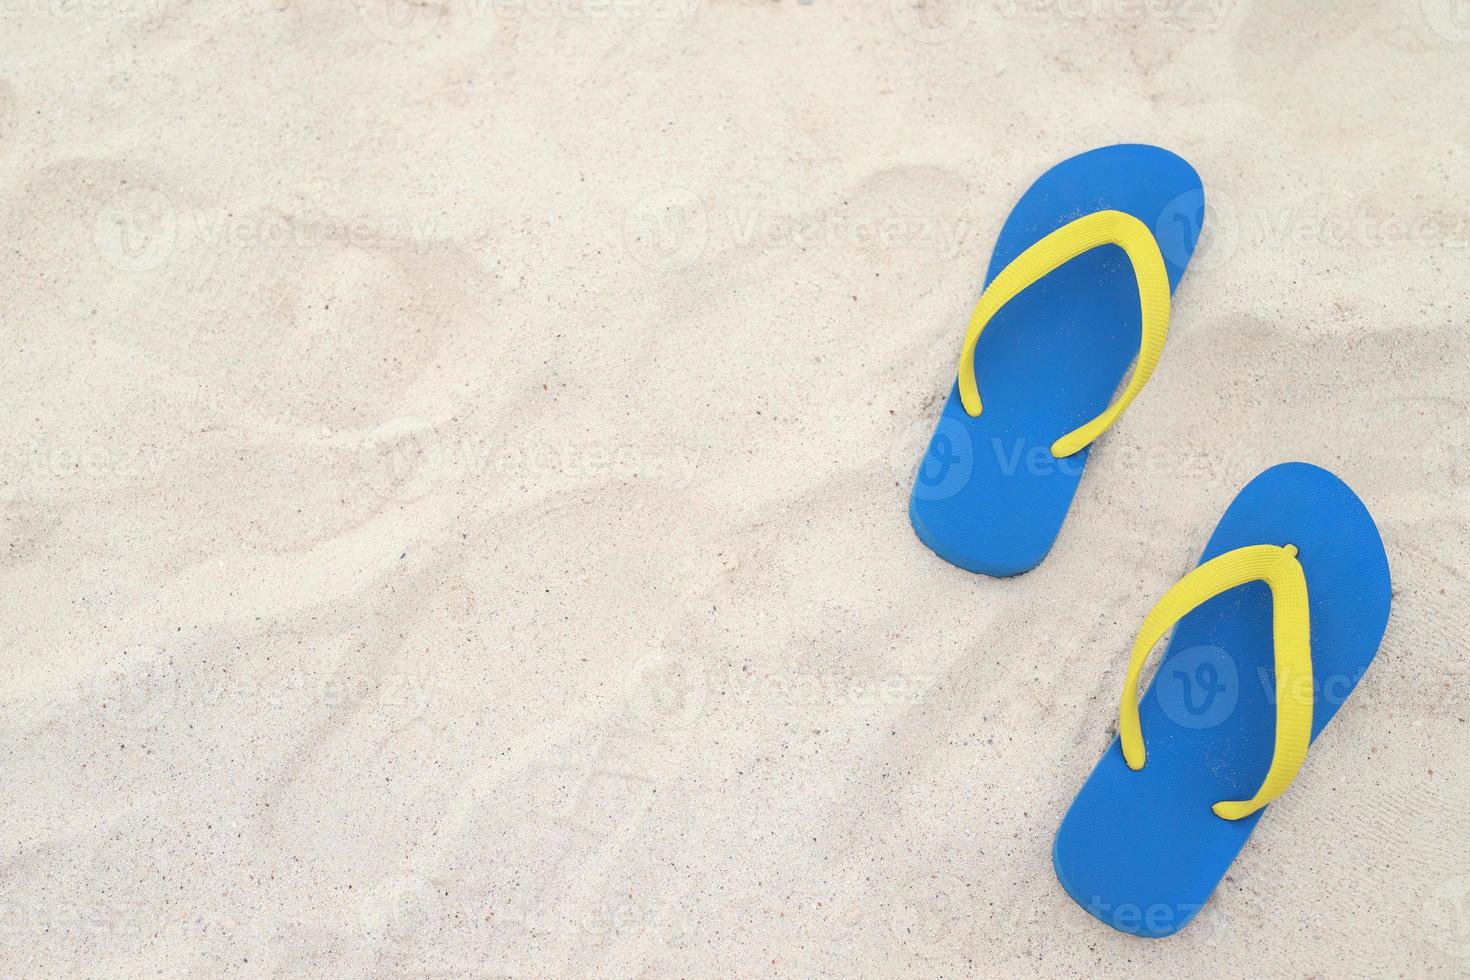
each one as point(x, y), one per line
point(1272, 632)
point(1079, 282)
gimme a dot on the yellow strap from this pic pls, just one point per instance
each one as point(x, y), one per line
point(1053, 251)
point(1279, 569)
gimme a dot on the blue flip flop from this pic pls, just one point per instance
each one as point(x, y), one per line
point(1274, 629)
point(1061, 318)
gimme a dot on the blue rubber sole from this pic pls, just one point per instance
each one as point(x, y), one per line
point(988, 495)
point(1142, 851)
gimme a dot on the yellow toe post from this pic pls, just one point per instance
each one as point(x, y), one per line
point(1291, 634)
point(1047, 255)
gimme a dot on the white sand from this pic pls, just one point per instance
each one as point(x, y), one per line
point(455, 468)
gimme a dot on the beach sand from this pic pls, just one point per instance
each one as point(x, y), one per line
point(456, 459)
